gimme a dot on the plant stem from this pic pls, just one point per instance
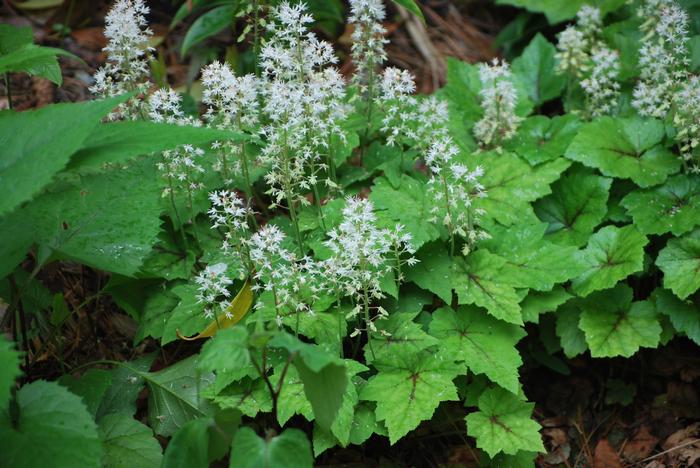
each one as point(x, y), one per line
point(369, 333)
point(449, 215)
point(8, 88)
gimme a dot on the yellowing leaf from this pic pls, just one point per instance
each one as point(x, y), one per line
point(234, 313)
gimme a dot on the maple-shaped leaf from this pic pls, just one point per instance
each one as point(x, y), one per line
point(504, 424)
point(249, 396)
point(486, 345)
point(511, 185)
point(612, 254)
point(683, 314)
point(533, 262)
point(398, 333)
point(406, 204)
point(482, 278)
point(672, 207)
point(571, 337)
point(577, 205)
point(628, 148)
point(616, 326)
point(536, 70)
point(433, 271)
point(540, 302)
point(541, 139)
point(408, 388)
point(680, 262)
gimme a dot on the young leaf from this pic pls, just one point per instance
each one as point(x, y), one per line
point(683, 314)
point(616, 326)
point(486, 345)
point(536, 68)
point(578, 203)
point(127, 442)
point(189, 447)
point(680, 262)
point(503, 424)
point(672, 207)
point(9, 370)
point(482, 279)
point(37, 144)
point(54, 429)
point(541, 139)
point(408, 389)
point(627, 148)
point(612, 254)
point(289, 449)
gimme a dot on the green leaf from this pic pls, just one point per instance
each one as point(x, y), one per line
point(626, 148)
point(91, 387)
point(571, 337)
point(397, 334)
point(187, 317)
point(127, 384)
point(408, 205)
point(9, 370)
point(672, 207)
point(37, 144)
point(541, 139)
point(207, 25)
point(13, 37)
point(411, 6)
point(616, 326)
point(533, 262)
point(482, 279)
point(680, 263)
point(433, 271)
point(511, 184)
point(127, 443)
point(290, 449)
point(34, 60)
point(537, 303)
point(226, 354)
point(174, 396)
point(247, 396)
point(683, 314)
point(486, 345)
point(578, 203)
point(536, 69)
point(557, 11)
point(189, 447)
point(503, 424)
point(53, 429)
point(122, 141)
point(408, 389)
point(612, 255)
point(292, 399)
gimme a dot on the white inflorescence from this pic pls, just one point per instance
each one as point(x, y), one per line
point(367, 39)
point(212, 286)
point(498, 101)
point(230, 213)
point(687, 120)
point(601, 86)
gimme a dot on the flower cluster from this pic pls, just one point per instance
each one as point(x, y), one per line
point(368, 53)
point(686, 118)
point(663, 57)
point(128, 55)
point(231, 214)
point(498, 100)
point(576, 42)
point(601, 86)
point(212, 290)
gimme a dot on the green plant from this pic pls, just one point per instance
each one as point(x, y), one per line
point(387, 249)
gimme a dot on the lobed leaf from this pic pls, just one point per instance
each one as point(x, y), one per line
point(680, 263)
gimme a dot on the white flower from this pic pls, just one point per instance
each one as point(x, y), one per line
point(601, 86)
point(212, 288)
point(498, 101)
point(572, 51)
point(368, 53)
point(687, 121)
point(230, 100)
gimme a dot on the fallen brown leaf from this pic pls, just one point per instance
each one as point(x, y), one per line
point(605, 456)
point(640, 446)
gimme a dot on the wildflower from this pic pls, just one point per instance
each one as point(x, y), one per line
point(399, 106)
point(577, 41)
point(601, 86)
point(686, 118)
point(498, 101)
point(212, 289)
point(231, 214)
point(367, 41)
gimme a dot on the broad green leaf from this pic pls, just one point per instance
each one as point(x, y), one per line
point(541, 139)
point(91, 387)
point(672, 207)
point(292, 399)
point(290, 449)
point(397, 334)
point(174, 396)
point(503, 424)
point(578, 203)
point(207, 25)
point(226, 354)
point(536, 68)
point(127, 384)
point(616, 326)
point(411, 6)
point(247, 396)
point(16, 237)
point(482, 279)
point(511, 184)
point(532, 261)
point(627, 148)
point(572, 339)
point(9, 370)
point(557, 11)
point(13, 37)
point(37, 144)
point(486, 345)
point(127, 443)
point(680, 263)
point(119, 142)
point(36, 61)
point(187, 317)
point(433, 271)
point(684, 314)
point(522, 459)
point(408, 389)
point(189, 447)
point(407, 205)
point(53, 429)
point(537, 303)
point(612, 255)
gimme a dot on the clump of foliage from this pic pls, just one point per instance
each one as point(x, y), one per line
point(353, 254)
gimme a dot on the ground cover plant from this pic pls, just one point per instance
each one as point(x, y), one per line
point(345, 259)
